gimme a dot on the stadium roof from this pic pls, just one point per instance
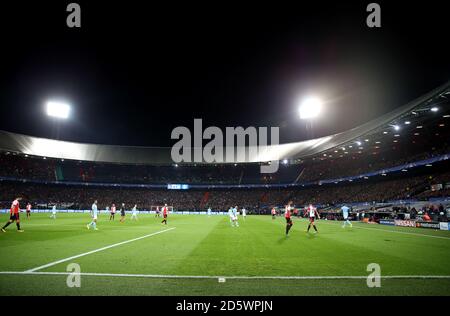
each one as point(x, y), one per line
point(162, 155)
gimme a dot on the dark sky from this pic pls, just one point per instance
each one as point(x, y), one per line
point(132, 72)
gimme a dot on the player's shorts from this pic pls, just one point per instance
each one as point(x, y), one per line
point(288, 220)
point(28, 211)
point(14, 217)
point(112, 213)
point(345, 218)
point(311, 219)
point(165, 215)
point(122, 213)
point(94, 216)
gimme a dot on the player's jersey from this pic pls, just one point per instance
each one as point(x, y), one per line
point(134, 210)
point(230, 213)
point(209, 211)
point(15, 208)
point(287, 212)
point(113, 209)
point(274, 211)
point(311, 210)
point(345, 210)
point(94, 209)
point(28, 207)
point(244, 212)
point(54, 209)
point(235, 212)
point(165, 211)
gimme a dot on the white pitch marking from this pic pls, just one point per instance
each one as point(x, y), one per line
point(319, 277)
point(96, 250)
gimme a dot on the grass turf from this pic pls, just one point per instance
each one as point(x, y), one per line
point(208, 246)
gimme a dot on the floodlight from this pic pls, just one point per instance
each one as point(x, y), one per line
point(310, 108)
point(58, 109)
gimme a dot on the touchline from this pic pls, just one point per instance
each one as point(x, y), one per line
point(251, 145)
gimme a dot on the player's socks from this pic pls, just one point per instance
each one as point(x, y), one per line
point(315, 228)
point(18, 226)
point(6, 225)
point(309, 226)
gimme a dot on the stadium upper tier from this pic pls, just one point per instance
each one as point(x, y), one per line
point(425, 109)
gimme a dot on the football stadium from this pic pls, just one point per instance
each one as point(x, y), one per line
point(163, 151)
point(392, 173)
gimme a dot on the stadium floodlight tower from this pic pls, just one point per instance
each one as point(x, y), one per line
point(310, 108)
point(58, 109)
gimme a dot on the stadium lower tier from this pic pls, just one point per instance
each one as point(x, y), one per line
point(421, 186)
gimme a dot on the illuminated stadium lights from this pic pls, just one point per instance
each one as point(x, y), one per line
point(407, 122)
point(361, 148)
point(377, 142)
point(416, 134)
point(395, 141)
point(446, 116)
point(310, 108)
point(58, 109)
point(285, 161)
point(343, 148)
point(419, 126)
point(396, 127)
point(404, 170)
point(413, 112)
point(397, 135)
point(366, 140)
point(428, 165)
point(350, 146)
point(434, 109)
point(175, 165)
point(441, 125)
point(385, 132)
point(358, 143)
point(366, 178)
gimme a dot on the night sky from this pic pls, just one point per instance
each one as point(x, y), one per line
point(133, 73)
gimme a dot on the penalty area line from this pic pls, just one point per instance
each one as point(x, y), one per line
point(94, 251)
point(161, 276)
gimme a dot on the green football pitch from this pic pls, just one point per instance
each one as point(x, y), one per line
point(187, 257)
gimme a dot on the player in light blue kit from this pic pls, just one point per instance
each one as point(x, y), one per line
point(230, 214)
point(94, 215)
point(345, 211)
point(209, 211)
point(235, 216)
point(53, 212)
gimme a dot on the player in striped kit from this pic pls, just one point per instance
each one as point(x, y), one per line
point(287, 215)
point(311, 211)
point(113, 211)
point(14, 215)
point(28, 210)
point(165, 212)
